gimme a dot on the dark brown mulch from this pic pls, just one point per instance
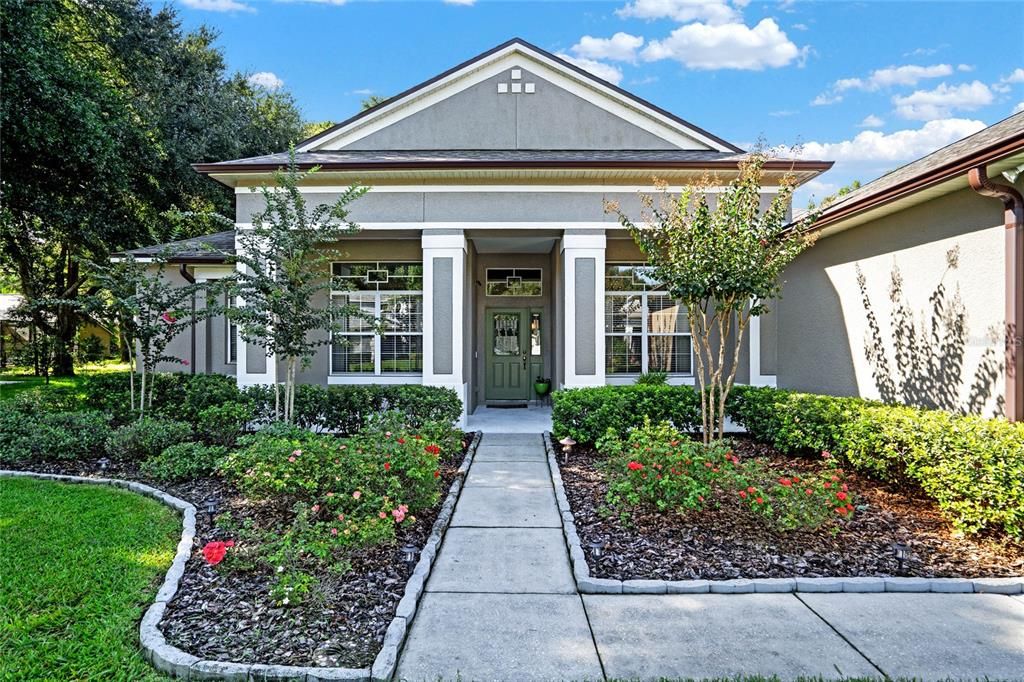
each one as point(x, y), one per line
point(727, 541)
point(229, 616)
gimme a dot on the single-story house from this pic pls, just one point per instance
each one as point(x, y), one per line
point(913, 292)
point(486, 245)
point(15, 332)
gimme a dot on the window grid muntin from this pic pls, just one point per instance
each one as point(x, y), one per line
point(497, 282)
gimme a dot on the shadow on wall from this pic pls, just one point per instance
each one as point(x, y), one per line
point(927, 368)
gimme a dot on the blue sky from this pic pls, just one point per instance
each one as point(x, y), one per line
point(870, 85)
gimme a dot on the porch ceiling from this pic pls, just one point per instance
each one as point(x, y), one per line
point(514, 244)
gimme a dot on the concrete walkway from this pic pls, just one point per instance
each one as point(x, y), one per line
point(501, 604)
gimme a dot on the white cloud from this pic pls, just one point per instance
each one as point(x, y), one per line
point(871, 121)
point(726, 46)
point(713, 11)
point(783, 113)
point(925, 51)
point(909, 74)
point(825, 99)
point(964, 68)
point(266, 79)
point(465, 3)
point(1019, 108)
point(1001, 88)
point(928, 105)
point(620, 47)
point(362, 92)
point(899, 146)
point(1017, 76)
point(610, 73)
point(800, 27)
point(218, 5)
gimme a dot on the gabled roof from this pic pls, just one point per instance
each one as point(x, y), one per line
point(208, 248)
point(998, 142)
point(529, 50)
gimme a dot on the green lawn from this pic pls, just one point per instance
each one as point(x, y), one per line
point(78, 566)
point(24, 380)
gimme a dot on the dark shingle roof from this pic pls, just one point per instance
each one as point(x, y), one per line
point(206, 248)
point(932, 165)
point(500, 158)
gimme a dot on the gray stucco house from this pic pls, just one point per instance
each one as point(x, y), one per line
point(486, 244)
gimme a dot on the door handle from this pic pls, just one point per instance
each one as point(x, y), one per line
point(524, 360)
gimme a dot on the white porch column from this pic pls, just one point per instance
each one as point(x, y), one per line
point(444, 277)
point(754, 334)
point(254, 367)
point(583, 253)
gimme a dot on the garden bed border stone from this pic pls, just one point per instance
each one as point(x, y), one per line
point(183, 665)
point(587, 584)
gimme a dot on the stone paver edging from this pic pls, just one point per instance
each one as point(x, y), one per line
point(592, 585)
point(183, 665)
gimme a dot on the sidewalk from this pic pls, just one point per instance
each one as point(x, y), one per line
point(501, 604)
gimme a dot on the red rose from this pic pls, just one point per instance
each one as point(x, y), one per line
point(214, 552)
point(760, 500)
point(401, 441)
point(842, 510)
point(841, 496)
point(751, 489)
point(743, 494)
point(437, 473)
point(827, 485)
point(433, 449)
point(387, 466)
point(785, 482)
point(635, 466)
point(809, 491)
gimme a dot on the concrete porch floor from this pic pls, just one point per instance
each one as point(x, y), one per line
point(533, 419)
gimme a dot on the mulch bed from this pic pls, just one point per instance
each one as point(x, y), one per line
point(229, 616)
point(727, 541)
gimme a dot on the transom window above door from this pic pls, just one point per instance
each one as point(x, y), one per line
point(515, 281)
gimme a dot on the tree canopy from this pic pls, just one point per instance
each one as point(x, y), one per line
point(104, 105)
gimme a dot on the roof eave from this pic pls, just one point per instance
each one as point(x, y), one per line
point(931, 177)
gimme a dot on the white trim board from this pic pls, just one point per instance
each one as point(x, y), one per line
point(518, 55)
point(459, 189)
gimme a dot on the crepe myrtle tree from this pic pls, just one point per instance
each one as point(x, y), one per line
point(284, 271)
point(723, 260)
point(150, 310)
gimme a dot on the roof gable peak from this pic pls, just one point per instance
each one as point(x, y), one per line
point(510, 55)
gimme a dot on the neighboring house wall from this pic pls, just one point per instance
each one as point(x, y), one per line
point(948, 259)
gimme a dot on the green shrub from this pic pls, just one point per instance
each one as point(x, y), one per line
point(346, 409)
point(652, 379)
point(587, 414)
point(52, 435)
point(659, 467)
point(147, 437)
point(184, 461)
point(175, 395)
point(795, 502)
point(971, 466)
point(45, 399)
point(224, 424)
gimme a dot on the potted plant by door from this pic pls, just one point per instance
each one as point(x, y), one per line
point(542, 386)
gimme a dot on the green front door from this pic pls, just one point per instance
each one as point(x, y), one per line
point(507, 355)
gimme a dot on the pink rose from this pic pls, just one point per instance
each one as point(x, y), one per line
point(356, 495)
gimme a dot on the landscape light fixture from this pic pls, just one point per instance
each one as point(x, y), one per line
point(567, 444)
point(409, 553)
point(899, 551)
point(211, 508)
point(596, 548)
point(104, 463)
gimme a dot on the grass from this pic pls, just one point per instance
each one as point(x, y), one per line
point(79, 565)
point(24, 379)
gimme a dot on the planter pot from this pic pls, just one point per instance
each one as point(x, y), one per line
point(541, 387)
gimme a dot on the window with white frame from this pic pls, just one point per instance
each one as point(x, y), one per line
point(646, 330)
point(388, 291)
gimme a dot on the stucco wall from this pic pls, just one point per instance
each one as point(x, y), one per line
point(826, 336)
point(480, 117)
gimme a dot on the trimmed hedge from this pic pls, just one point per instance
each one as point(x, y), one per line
point(347, 409)
point(586, 414)
point(971, 466)
point(51, 435)
point(175, 395)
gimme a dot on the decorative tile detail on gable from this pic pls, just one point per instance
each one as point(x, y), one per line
point(516, 87)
